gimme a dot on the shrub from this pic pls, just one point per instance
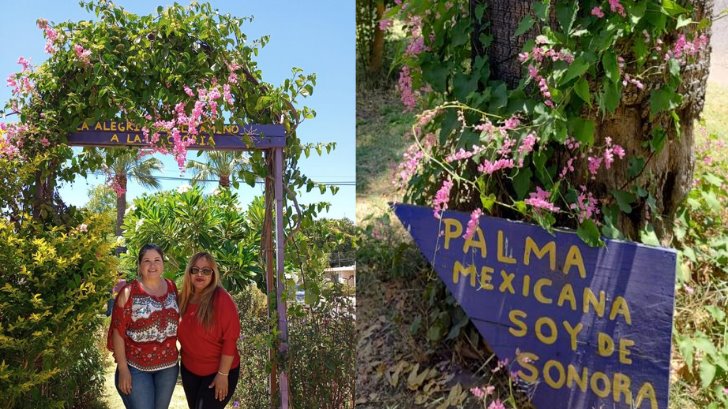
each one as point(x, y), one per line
point(54, 283)
point(252, 391)
point(322, 354)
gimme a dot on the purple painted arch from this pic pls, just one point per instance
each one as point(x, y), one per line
point(119, 133)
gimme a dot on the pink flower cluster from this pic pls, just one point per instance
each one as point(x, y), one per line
point(82, 54)
point(616, 7)
point(385, 24)
point(496, 404)
point(442, 197)
point(51, 35)
point(463, 154)
point(586, 205)
point(685, 47)
point(472, 224)
point(489, 167)
point(634, 81)
point(607, 157)
point(540, 200)
point(482, 392)
point(404, 85)
point(597, 12)
point(412, 158)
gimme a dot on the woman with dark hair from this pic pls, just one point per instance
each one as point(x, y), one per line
point(208, 333)
point(143, 335)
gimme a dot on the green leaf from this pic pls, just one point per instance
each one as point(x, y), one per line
point(624, 200)
point(522, 182)
point(640, 50)
point(663, 99)
point(436, 75)
point(566, 14)
point(580, 65)
point(682, 21)
point(648, 236)
point(635, 166)
point(499, 97)
point(674, 67)
point(487, 201)
point(524, 26)
point(582, 130)
point(464, 84)
point(672, 8)
point(611, 94)
point(541, 10)
point(711, 200)
point(707, 373)
point(611, 68)
point(659, 136)
point(581, 88)
point(589, 233)
point(717, 313)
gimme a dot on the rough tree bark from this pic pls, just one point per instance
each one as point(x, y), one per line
point(668, 174)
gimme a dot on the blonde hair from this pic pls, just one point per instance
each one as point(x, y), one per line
point(205, 308)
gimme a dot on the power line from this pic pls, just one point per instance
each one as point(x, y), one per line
point(258, 182)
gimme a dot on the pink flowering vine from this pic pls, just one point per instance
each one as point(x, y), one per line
point(472, 223)
point(597, 12)
point(442, 197)
point(82, 54)
point(540, 200)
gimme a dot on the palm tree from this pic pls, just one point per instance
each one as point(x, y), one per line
point(223, 164)
point(129, 165)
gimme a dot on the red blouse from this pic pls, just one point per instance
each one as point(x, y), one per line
point(148, 325)
point(202, 347)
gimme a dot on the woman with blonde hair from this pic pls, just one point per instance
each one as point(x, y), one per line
point(208, 333)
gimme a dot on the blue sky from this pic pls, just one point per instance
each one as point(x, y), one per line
point(317, 36)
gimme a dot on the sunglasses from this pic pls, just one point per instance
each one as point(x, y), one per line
point(196, 270)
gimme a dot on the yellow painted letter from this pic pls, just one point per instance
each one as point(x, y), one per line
point(479, 243)
point(458, 269)
point(573, 258)
point(514, 316)
point(453, 229)
point(549, 248)
point(620, 307)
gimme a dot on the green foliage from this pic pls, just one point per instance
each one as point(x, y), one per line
point(185, 221)
point(701, 328)
point(322, 358)
point(576, 73)
point(255, 338)
point(54, 283)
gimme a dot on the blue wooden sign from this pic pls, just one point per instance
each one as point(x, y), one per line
point(230, 137)
point(583, 327)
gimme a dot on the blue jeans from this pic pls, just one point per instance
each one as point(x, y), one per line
point(149, 390)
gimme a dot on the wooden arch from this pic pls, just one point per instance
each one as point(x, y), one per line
point(269, 138)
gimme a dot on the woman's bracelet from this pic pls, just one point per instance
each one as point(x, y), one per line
point(223, 374)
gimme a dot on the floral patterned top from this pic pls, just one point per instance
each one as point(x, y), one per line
point(148, 325)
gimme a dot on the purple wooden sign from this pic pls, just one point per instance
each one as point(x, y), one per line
point(584, 327)
point(231, 137)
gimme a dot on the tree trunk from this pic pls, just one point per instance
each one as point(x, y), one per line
point(225, 181)
point(376, 56)
point(120, 202)
point(668, 173)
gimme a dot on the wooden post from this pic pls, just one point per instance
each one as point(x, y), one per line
point(269, 270)
point(280, 251)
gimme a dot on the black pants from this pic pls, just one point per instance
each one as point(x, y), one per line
point(200, 395)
